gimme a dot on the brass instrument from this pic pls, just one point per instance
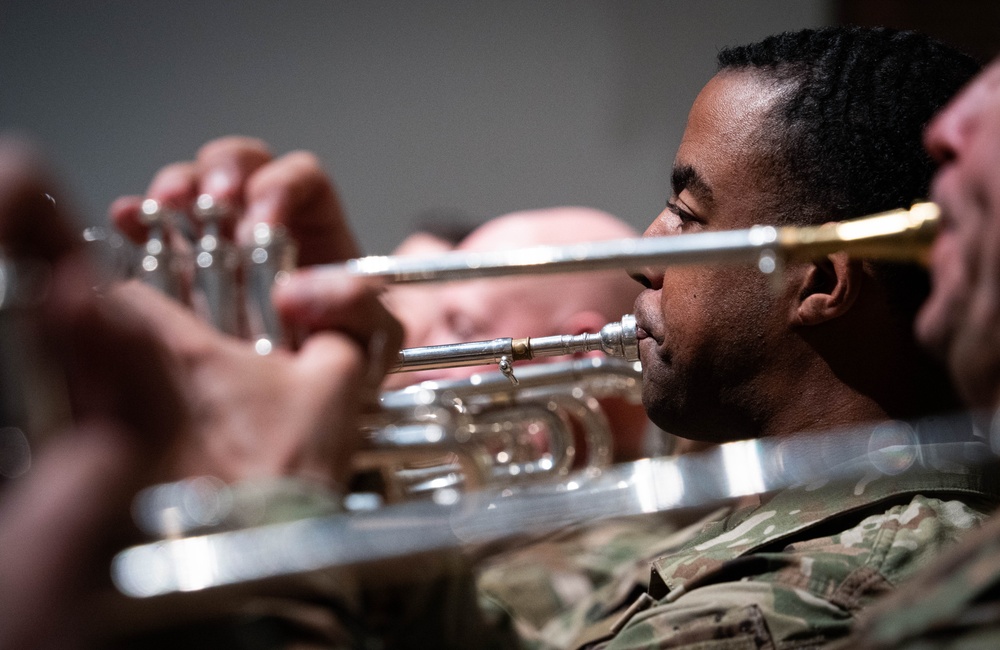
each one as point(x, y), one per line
point(615, 339)
point(499, 435)
point(684, 486)
point(899, 235)
point(304, 544)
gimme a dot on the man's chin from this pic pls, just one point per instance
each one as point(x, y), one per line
point(670, 418)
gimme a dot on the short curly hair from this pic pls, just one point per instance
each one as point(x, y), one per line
point(844, 138)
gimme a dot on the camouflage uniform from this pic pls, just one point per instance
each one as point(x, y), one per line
point(793, 573)
point(954, 603)
point(553, 589)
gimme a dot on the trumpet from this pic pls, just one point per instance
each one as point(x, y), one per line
point(896, 235)
point(614, 339)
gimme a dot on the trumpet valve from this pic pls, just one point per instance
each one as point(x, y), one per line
point(160, 265)
point(269, 259)
point(216, 265)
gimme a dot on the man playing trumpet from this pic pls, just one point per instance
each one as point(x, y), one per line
point(803, 124)
point(800, 128)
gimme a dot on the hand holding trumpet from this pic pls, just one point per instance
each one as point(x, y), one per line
point(257, 416)
point(157, 394)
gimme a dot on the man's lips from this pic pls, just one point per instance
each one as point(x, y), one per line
point(641, 334)
point(940, 190)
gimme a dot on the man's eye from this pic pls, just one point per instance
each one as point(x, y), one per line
point(685, 216)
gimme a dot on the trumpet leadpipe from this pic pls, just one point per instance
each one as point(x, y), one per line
point(616, 339)
point(901, 235)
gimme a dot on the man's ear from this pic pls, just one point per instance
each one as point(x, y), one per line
point(829, 289)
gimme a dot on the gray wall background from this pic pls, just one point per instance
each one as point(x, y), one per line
point(476, 107)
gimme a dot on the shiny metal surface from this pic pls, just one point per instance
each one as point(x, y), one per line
point(615, 339)
point(270, 257)
point(161, 264)
point(216, 262)
point(652, 485)
point(503, 435)
point(896, 234)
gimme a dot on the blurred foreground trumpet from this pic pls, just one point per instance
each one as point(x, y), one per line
point(897, 235)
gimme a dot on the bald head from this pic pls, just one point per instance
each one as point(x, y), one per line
point(563, 225)
point(527, 305)
point(552, 304)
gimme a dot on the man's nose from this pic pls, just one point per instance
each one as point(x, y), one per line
point(953, 129)
point(651, 277)
point(944, 136)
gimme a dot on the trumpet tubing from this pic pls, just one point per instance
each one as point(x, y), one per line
point(900, 235)
point(615, 339)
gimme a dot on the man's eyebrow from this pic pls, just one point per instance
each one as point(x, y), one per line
point(686, 177)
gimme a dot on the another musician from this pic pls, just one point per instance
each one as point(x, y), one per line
point(954, 603)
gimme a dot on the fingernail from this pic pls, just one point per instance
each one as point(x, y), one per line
point(219, 184)
point(255, 213)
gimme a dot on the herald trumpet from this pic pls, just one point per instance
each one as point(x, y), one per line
point(897, 235)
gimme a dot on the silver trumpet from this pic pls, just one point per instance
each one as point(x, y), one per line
point(615, 339)
point(491, 432)
point(497, 435)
